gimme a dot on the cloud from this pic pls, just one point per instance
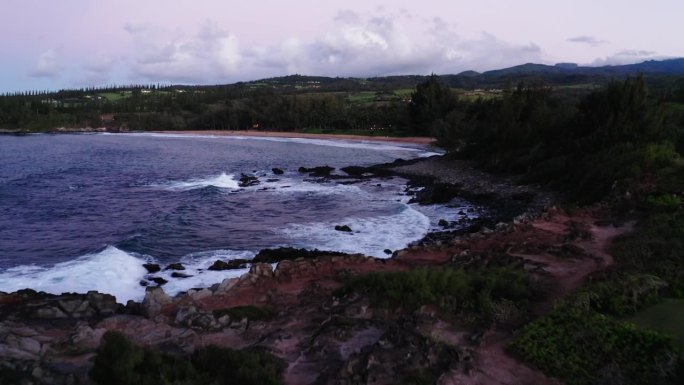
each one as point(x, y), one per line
point(212, 55)
point(382, 43)
point(390, 44)
point(47, 66)
point(589, 40)
point(628, 57)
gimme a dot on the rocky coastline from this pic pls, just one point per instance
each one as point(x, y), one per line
point(295, 310)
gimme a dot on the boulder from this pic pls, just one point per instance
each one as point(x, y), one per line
point(259, 270)
point(226, 285)
point(277, 171)
point(291, 253)
point(152, 267)
point(321, 171)
point(176, 274)
point(354, 170)
point(158, 280)
point(230, 265)
point(343, 228)
point(189, 316)
point(175, 266)
point(155, 299)
point(248, 180)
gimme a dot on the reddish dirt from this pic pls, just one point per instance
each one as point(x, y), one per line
point(560, 248)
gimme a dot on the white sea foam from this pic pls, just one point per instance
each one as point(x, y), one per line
point(225, 181)
point(304, 187)
point(369, 236)
point(118, 273)
point(196, 265)
point(110, 271)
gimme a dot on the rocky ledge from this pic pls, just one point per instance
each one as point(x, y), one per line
point(297, 313)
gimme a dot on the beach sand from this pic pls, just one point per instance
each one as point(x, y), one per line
point(282, 134)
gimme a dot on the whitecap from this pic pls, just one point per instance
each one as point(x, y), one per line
point(370, 236)
point(110, 271)
point(224, 181)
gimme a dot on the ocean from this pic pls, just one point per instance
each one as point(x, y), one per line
point(85, 211)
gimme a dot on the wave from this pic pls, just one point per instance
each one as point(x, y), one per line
point(116, 272)
point(224, 181)
point(110, 271)
point(370, 236)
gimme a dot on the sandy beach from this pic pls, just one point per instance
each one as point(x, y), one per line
point(282, 134)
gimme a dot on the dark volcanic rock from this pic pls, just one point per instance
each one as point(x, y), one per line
point(317, 171)
point(387, 251)
point(230, 265)
point(436, 193)
point(343, 228)
point(180, 275)
point(158, 280)
point(444, 223)
point(277, 171)
point(289, 253)
point(175, 266)
point(152, 267)
point(248, 180)
point(354, 170)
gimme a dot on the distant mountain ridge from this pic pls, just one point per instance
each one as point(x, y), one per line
point(666, 67)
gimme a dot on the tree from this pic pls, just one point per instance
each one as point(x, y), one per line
point(431, 101)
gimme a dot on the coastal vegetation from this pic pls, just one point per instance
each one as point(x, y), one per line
point(478, 297)
point(120, 362)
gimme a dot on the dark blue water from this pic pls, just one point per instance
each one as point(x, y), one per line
point(75, 202)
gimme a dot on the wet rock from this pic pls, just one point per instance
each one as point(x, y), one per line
point(387, 251)
point(444, 223)
point(175, 266)
point(277, 171)
point(248, 180)
point(180, 275)
point(158, 280)
point(343, 228)
point(152, 267)
point(291, 253)
point(155, 299)
point(435, 194)
point(354, 170)
point(230, 265)
point(320, 171)
point(143, 283)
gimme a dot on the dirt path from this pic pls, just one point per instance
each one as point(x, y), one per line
point(567, 248)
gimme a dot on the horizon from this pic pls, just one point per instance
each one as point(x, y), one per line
point(77, 43)
point(160, 84)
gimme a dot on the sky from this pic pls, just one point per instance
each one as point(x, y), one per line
point(49, 45)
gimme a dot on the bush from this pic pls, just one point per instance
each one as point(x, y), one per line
point(481, 293)
point(585, 347)
point(119, 362)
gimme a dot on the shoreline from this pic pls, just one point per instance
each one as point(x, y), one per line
point(426, 141)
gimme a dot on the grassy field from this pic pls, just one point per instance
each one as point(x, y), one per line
point(666, 317)
point(362, 97)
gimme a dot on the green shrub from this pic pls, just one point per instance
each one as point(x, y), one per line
point(585, 347)
point(478, 292)
point(119, 362)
